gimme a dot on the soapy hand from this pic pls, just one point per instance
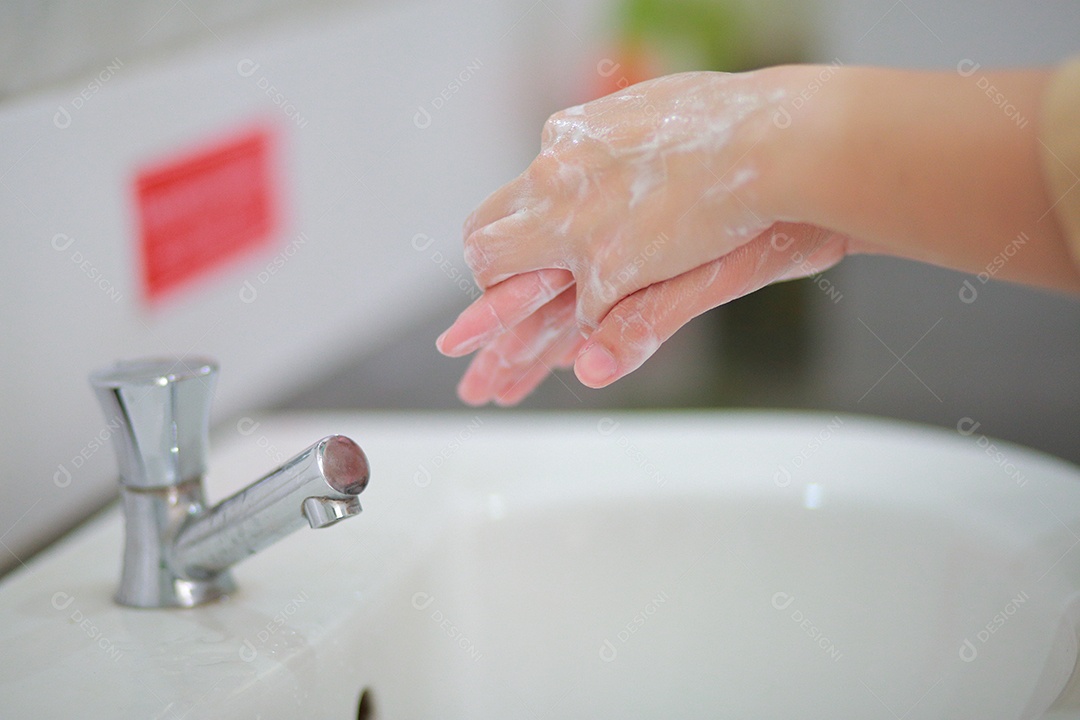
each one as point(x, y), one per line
point(643, 209)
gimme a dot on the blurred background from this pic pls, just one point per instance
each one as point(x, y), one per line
point(281, 185)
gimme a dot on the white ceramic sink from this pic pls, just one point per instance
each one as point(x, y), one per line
point(737, 565)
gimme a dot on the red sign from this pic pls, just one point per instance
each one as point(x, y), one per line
point(202, 210)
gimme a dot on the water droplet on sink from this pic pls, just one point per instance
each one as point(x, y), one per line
point(496, 507)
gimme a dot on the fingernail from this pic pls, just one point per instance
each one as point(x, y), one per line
point(439, 340)
point(596, 366)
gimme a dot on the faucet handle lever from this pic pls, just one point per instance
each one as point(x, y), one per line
point(163, 409)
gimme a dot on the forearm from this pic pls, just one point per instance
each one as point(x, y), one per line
point(929, 167)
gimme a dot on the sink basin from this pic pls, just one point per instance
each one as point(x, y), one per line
point(750, 565)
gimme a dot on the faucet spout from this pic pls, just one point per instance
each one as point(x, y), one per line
point(318, 488)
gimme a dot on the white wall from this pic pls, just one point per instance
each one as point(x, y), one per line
point(361, 180)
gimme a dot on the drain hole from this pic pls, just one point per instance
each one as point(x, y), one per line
point(366, 709)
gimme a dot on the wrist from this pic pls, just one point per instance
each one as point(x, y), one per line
point(809, 129)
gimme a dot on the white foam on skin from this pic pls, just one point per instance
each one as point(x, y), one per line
point(649, 179)
point(575, 177)
point(529, 350)
point(475, 258)
point(594, 287)
point(544, 293)
point(564, 226)
point(709, 274)
point(700, 114)
point(687, 128)
point(741, 177)
point(638, 340)
point(538, 208)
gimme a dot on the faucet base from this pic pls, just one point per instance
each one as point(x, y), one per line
point(149, 579)
point(182, 594)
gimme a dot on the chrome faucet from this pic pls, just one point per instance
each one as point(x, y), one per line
point(177, 552)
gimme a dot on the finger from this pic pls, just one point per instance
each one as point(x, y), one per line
point(500, 308)
point(833, 248)
point(638, 324)
point(510, 363)
point(499, 204)
point(506, 360)
point(529, 231)
point(630, 260)
point(531, 378)
point(566, 360)
point(507, 247)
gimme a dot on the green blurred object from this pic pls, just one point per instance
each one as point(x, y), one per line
point(703, 34)
point(765, 338)
point(714, 32)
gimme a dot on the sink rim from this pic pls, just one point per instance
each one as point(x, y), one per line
point(92, 553)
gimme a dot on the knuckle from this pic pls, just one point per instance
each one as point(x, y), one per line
point(634, 327)
point(477, 255)
point(551, 125)
point(586, 314)
point(617, 275)
point(543, 167)
point(469, 226)
point(555, 127)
